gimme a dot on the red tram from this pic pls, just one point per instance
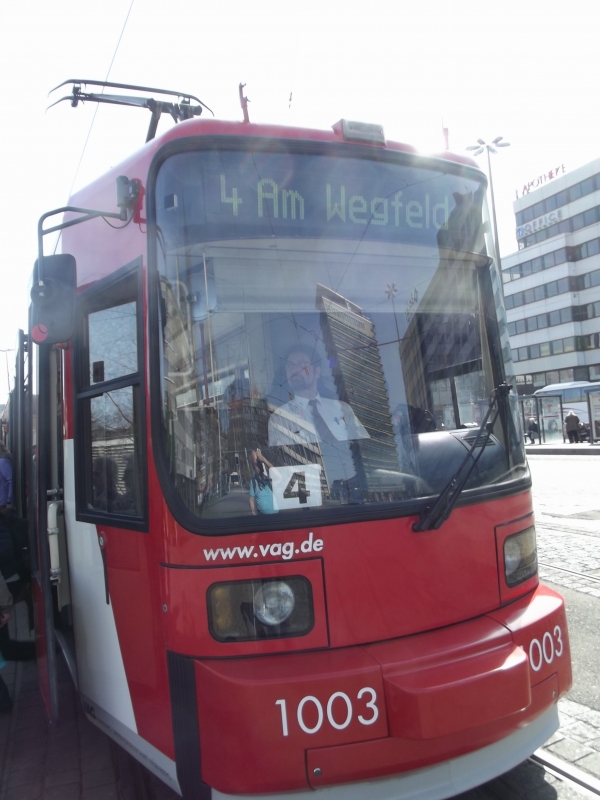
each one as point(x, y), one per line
point(279, 489)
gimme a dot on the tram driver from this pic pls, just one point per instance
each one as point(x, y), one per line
point(308, 416)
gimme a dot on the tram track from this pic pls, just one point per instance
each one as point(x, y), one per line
point(594, 578)
point(566, 772)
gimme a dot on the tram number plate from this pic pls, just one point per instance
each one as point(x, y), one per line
point(547, 649)
point(338, 711)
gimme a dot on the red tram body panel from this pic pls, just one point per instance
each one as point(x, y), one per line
point(280, 372)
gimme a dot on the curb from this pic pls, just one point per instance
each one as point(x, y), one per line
point(563, 450)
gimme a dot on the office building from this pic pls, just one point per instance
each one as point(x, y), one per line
point(552, 284)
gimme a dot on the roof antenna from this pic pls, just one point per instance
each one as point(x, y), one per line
point(244, 102)
point(446, 137)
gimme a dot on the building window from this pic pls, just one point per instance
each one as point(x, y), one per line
point(587, 186)
point(566, 314)
point(560, 256)
point(581, 374)
point(562, 198)
point(593, 247)
point(554, 318)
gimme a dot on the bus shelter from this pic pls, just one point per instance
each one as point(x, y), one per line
point(547, 411)
point(593, 399)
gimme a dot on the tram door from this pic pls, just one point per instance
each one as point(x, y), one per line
point(50, 577)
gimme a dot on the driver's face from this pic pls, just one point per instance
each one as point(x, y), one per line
point(302, 375)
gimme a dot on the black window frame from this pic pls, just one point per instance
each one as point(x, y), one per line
point(122, 286)
point(241, 525)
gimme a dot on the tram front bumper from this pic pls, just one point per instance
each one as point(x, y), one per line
point(284, 723)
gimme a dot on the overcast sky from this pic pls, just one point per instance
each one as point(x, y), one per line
point(524, 70)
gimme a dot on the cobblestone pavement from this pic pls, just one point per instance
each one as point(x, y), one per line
point(567, 510)
point(578, 738)
point(566, 502)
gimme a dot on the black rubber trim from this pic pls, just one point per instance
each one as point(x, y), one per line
point(95, 297)
point(186, 728)
point(212, 527)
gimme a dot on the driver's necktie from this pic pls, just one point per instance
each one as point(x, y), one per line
point(321, 427)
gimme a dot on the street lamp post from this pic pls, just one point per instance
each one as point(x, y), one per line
point(491, 148)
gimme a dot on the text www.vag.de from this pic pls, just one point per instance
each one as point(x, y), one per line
point(285, 550)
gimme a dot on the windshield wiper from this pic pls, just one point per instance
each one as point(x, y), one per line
point(434, 516)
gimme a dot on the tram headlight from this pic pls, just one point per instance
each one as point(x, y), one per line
point(274, 602)
point(520, 557)
point(267, 608)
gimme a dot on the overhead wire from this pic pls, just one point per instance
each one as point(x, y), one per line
point(89, 133)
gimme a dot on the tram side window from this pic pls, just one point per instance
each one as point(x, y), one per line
point(109, 405)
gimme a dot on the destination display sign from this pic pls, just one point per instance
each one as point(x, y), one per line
point(227, 195)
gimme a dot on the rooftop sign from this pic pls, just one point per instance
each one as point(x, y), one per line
point(540, 180)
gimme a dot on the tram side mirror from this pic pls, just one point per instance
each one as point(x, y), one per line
point(53, 299)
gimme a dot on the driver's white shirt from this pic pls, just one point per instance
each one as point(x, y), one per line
point(293, 423)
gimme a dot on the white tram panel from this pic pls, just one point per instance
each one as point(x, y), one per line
point(100, 668)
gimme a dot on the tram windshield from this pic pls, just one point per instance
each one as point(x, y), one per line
point(324, 335)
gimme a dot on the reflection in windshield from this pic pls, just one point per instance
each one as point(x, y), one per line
point(317, 373)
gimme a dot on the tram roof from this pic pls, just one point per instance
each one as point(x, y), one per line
point(216, 127)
